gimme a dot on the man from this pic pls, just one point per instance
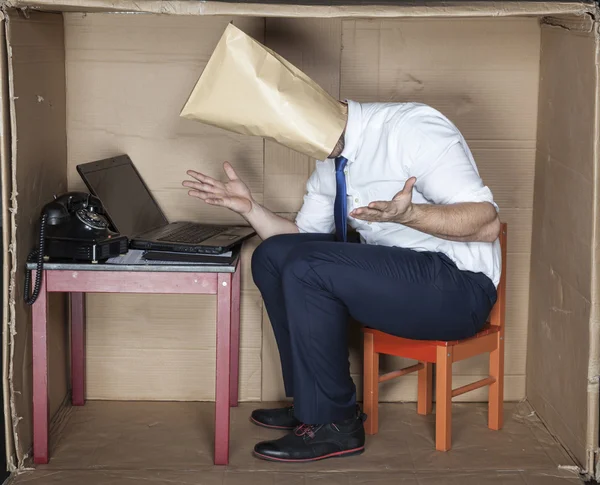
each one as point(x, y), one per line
point(427, 267)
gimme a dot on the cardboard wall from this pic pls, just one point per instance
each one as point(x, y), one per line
point(318, 9)
point(5, 151)
point(124, 92)
point(38, 163)
point(563, 236)
point(127, 79)
point(483, 74)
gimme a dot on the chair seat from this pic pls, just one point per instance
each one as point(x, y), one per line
point(489, 340)
point(422, 350)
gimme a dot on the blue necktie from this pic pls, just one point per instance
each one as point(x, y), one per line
point(339, 207)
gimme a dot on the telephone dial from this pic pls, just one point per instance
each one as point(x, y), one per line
point(73, 227)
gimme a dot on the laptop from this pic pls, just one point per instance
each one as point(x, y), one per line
point(133, 212)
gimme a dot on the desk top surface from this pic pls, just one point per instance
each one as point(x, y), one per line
point(150, 268)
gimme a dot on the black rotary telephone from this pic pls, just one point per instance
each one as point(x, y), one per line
point(73, 227)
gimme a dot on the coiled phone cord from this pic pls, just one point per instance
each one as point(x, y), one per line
point(30, 300)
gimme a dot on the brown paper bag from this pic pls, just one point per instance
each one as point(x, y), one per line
point(249, 89)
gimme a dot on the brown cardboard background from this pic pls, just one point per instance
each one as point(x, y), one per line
point(102, 45)
point(36, 65)
point(496, 109)
point(378, 63)
point(558, 350)
point(353, 8)
point(489, 90)
point(124, 96)
point(6, 171)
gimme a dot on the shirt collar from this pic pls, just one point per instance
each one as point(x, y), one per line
point(353, 131)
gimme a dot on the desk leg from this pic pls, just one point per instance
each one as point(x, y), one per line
point(78, 348)
point(40, 375)
point(235, 337)
point(223, 369)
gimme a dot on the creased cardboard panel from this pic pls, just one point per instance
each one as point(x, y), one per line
point(505, 156)
point(558, 354)
point(593, 390)
point(144, 347)
point(354, 8)
point(489, 90)
point(124, 96)
point(6, 169)
point(36, 70)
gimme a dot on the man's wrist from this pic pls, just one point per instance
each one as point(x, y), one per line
point(409, 216)
point(254, 208)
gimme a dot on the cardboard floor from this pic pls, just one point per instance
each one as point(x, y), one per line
point(126, 443)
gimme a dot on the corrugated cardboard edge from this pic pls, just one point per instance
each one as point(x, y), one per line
point(412, 9)
point(588, 23)
point(593, 409)
point(14, 418)
point(5, 136)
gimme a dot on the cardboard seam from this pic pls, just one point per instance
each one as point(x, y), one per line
point(556, 437)
point(593, 407)
point(13, 246)
point(564, 280)
point(6, 190)
point(212, 8)
point(584, 24)
point(59, 421)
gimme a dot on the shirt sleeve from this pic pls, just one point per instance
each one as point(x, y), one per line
point(316, 214)
point(443, 165)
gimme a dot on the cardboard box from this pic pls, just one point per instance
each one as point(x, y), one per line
point(520, 79)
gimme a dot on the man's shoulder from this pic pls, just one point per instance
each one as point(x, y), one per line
point(398, 113)
point(407, 107)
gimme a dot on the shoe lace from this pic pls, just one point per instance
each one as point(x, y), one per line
point(307, 430)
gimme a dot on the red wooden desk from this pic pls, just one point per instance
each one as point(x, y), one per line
point(79, 279)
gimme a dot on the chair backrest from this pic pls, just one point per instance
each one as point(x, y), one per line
point(498, 313)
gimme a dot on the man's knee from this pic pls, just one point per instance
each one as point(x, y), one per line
point(302, 259)
point(269, 256)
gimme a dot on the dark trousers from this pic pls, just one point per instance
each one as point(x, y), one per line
point(311, 285)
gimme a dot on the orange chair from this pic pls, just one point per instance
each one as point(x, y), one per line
point(443, 354)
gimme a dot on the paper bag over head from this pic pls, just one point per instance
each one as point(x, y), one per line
point(249, 89)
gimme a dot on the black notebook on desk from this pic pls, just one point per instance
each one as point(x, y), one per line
point(167, 256)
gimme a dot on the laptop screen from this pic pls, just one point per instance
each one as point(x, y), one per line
point(125, 197)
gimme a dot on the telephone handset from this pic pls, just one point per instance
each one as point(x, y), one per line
point(73, 227)
point(86, 208)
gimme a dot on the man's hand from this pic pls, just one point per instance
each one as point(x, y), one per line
point(396, 210)
point(233, 194)
point(461, 222)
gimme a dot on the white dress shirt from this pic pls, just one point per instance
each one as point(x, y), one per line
point(386, 144)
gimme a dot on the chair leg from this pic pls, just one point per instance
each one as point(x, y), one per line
point(425, 395)
point(371, 385)
point(443, 409)
point(496, 394)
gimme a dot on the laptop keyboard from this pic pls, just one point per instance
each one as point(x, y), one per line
point(191, 234)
